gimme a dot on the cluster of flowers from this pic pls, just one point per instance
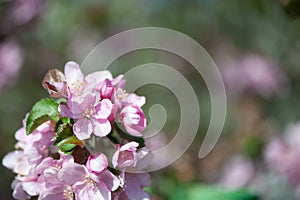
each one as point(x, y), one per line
point(52, 160)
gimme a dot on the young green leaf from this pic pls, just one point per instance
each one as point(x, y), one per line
point(67, 148)
point(65, 138)
point(44, 110)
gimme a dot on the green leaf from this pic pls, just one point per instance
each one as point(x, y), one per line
point(67, 148)
point(63, 130)
point(69, 140)
point(203, 192)
point(44, 110)
point(65, 138)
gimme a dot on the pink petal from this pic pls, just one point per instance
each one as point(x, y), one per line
point(20, 135)
point(65, 111)
point(107, 91)
point(19, 192)
point(133, 119)
point(51, 196)
point(133, 99)
point(74, 104)
point(113, 114)
point(72, 173)
point(22, 167)
point(129, 146)
point(98, 76)
point(31, 188)
point(110, 180)
point(83, 129)
point(126, 159)
point(78, 104)
point(133, 186)
point(82, 191)
point(97, 163)
point(129, 109)
point(134, 131)
point(115, 157)
point(89, 100)
point(121, 84)
point(144, 179)
point(11, 159)
point(95, 81)
point(73, 73)
point(117, 80)
point(103, 109)
point(101, 127)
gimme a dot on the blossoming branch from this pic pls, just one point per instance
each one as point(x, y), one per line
point(53, 157)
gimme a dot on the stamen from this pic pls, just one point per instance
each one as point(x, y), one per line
point(68, 194)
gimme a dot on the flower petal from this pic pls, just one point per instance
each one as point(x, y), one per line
point(73, 72)
point(133, 186)
point(97, 163)
point(110, 180)
point(82, 191)
point(83, 129)
point(65, 111)
point(10, 160)
point(133, 99)
point(72, 173)
point(101, 127)
point(103, 109)
point(115, 157)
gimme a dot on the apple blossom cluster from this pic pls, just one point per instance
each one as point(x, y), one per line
point(52, 159)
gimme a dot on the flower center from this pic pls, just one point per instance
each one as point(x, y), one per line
point(89, 182)
point(121, 94)
point(68, 194)
point(89, 111)
point(77, 86)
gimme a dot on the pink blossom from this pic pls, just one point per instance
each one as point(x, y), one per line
point(41, 138)
point(95, 81)
point(122, 99)
point(58, 183)
point(125, 156)
point(24, 11)
point(133, 119)
point(32, 148)
point(35, 181)
point(91, 114)
point(11, 60)
point(74, 78)
point(18, 190)
point(107, 90)
point(114, 112)
point(282, 154)
point(238, 172)
point(255, 74)
point(42, 177)
point(94, 103)
point(79, 84)
point(17, 161)
point(275, 153)
point(97, 163)
point(132, 186)
point(88, 185)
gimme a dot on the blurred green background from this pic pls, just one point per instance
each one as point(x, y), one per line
point(256, 45)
